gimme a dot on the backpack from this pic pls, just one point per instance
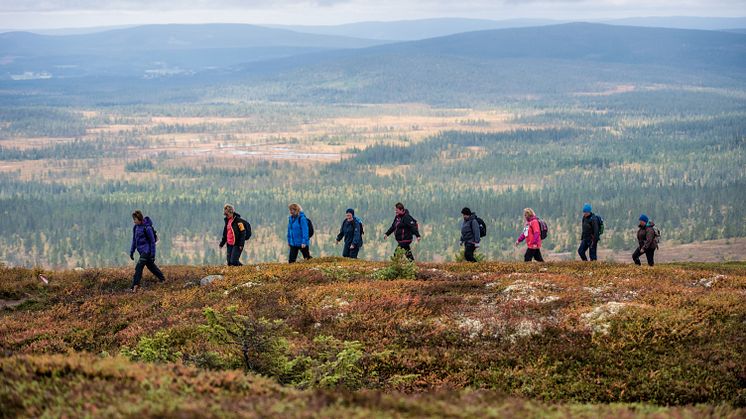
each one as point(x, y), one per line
point(657, 235)
point(482, 227)
point(543, 228)
point(357, 221)
point(310, 228)
point(600, 225)
point(248, 229)
point(155, 234)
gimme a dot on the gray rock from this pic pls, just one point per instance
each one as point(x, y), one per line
point(209, 279)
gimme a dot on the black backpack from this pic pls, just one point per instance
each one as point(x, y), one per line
point(482, 227)
point(543, 229)
point(310, 228)
point(600, 225)
point(248, 229)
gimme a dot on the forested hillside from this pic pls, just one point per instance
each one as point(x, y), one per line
point(631, 120)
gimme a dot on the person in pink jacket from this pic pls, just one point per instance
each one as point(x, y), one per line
point(532, 235)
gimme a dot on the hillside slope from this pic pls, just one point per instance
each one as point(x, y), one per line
point(488, 339)
point(499, 64)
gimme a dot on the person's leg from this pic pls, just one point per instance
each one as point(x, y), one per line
point(469, 252)
point(306, 253)
point(593, 247)
point(353, 252)
point(235, 257)
point(138, 272)
point(650, 254)
point(346, 250)
point(527, 256)
point(537, 255)
point(408, 250)
point(293, 256)
point(153, 268)
point(228, 253)
point(582, 249)
point(636, 256)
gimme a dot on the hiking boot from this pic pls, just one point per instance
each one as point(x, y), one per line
point(134, 289)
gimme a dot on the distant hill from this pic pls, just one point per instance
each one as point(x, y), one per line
point(682, 22)
point(410, 30)
point(169, 49)
point(548, 59)
point(461, 69)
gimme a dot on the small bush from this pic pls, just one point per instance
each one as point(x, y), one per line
point(261, 343)
point(399, 268)
point(334, 364)
point(158, 348)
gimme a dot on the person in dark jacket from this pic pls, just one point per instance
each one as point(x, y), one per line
point(469, 234)
point(590, 234)
point(352, 233)
point(298, 235)
point(405, 228)
point(647, 242)
point(235, 233)
point(143, 240)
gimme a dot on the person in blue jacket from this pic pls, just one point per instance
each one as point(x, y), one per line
point(352, 233)
point(143, 240)
point(298, 233)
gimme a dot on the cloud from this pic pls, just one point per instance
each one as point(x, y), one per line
point(138, 5)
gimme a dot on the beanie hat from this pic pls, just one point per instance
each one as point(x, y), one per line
point(350, 211)
point(466, 211)
point(587, 207)
point(644, 218)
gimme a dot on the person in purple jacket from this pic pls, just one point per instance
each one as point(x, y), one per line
point(143, 240)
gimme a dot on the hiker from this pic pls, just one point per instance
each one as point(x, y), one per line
point(404, 228)
point(143, 240)
point(590, 233)
point(235, 233)
point(298, 233)
point(352, 233)
point(470, 234)
point(647, 241)
point(532, 235)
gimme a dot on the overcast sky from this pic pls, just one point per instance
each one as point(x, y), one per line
point(26, 14)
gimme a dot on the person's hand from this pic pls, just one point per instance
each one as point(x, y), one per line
point(385, 237)
point(515, 244)
point(302, 246)
point(240, 248)
point(352, 246)
point(132, 256)
point(460, 243)
point(221, 245)
point(476, 245)
point(338, 241)
point(418, 239)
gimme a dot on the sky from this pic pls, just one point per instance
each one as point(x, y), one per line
point(44, 14)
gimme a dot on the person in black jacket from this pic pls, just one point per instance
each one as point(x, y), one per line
point(647, 241)
point(352, 233)
point(405, 228)
point(235, 233)
point(469, 234)
point(590, 234)
point(144, 241)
